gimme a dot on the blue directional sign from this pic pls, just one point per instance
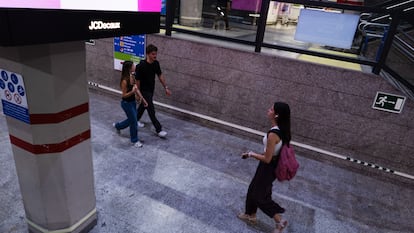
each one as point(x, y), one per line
point(128, 48)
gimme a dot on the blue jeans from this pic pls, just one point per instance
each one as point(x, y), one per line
point(130, 109)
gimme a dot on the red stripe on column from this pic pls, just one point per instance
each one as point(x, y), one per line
point(50, 148)
point(51, 118)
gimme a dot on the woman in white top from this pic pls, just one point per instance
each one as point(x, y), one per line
point(259, 194)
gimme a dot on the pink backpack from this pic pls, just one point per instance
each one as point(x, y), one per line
point(287, 165)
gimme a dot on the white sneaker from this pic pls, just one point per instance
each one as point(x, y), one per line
point(138, 144)
point(140, 124)
point(117, 130)
point(162, 134)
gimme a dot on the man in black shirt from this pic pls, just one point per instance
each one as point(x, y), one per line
point(145, 79)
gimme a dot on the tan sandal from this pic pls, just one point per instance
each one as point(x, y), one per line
point(247, 218)
point(280, 226)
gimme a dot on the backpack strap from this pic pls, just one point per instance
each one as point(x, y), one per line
point(277, 132)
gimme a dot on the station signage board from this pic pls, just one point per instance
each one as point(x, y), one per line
point(128, 48)
point(13, 96)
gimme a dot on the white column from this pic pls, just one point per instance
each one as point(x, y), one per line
point(52, 153)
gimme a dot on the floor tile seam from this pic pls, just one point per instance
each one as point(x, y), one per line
point(246, 183)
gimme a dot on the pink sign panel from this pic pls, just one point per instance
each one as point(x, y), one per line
point(110, 5)
point(247, 5)
point(149, 5)
point(48, 4)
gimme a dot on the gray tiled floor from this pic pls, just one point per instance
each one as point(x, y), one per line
point(194, 181)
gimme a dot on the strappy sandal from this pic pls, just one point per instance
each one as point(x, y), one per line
point(247, 218)
point(280, 226)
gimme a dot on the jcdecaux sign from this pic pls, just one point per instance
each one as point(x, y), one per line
point(100, 25)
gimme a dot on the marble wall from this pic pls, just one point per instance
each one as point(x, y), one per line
point(331, 107)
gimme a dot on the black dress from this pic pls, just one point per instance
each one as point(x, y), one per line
point(259, 194)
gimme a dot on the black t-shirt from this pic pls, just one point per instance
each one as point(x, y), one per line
point(145, 73)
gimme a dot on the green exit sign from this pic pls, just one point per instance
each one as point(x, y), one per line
point(388, 102)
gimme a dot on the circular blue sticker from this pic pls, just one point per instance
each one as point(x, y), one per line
point(2, 84)
point(20, 90)
point(11, 87)
point(14, 79)
point(4, 75)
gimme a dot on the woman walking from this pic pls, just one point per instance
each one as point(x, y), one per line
point(128, 102)
point(259, 194)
